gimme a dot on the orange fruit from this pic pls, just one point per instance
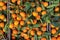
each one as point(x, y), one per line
point(28, 22)
point(53, 38)
point(13, 37)
point(2, 25)
point(56, 9)
point(18, 2)
point(34, 22)
point(53, 31)
point(24, 30)
point(13, 1)
point(11, 26)
point(45, 24)
point(16, 23)
point(57, 28)
point(18, 18)
point(58, 38)
point(32, 38)
point(27, 28)
point(1, 3)
point(45, 4)
point(22, 14)
point(32, 32)
point(43, 38)
point(2, 17)
point(4, 7)
point(14, 32)
point(43, 12)
point(38, 17)
point(39, 33)
point(21, 23)
point(14, 15)
point(22, 34)
point(38, 9)
point(26, 36)
point(1, 32)
point(44, 29)
point(35, 14)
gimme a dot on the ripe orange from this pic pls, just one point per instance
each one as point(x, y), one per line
point(53, 31)
point(2, 24)
point(21, 23)
point(28, 22)
point(35, 14)
point(18, 2)
point(53, 38)
point(39, 33)
point(38, 17)
point(13, 37)
point(14, 32)
point(56, 9)
point(38, 9)
point(1, 3)
point(24, 30)
point(44, 29)
point(2, 17)
point(18, 18)
point(58, 38)
point(26, 36)
point(43, 38)
point(27, 28)
point(13, 1)
point(43, 12)
point(32, 32)
point(32, 38)
point(22, 14)
point(4, 7)
point(45, 4)
point(14, 15)
point(34, 22)
point(11, 26)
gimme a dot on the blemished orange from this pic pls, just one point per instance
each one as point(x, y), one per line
point(43, 12)
point(1, 3)
point(43, 38)
point(13, 1)
point(2, 24)
point(38, 9)
point(53, 38)
point(58, 38)
point(39, 33)
point(35, 14)
point(53, 31)
point(22, 23)
point(22, 14)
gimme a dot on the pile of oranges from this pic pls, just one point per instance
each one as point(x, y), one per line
point(30, 19)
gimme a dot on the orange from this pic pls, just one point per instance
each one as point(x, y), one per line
point(22, 14)
point(43, 12)
point(53, 38)
point(34, 22)
point(45, 4)
point(2, 17)
point(38, 17)
point(58, 38)
point(14, 15)
point(18, 2)
point(14, 32)
point(44, 29)
point(43, 38)
point(11, 26)
point(56, 9)
point(16, 23)
point(45, 24)
point(2, 25)
point(32, 38)
point(38, 9)
point(39, 33)
point(4, 7)
point(1, 3)
point(32, 32)
point(18, 18)
point(21, 23)
point(27, 28)
point(26, 36)
point(35, 14)
point(53, 31)
point(22, 34)
point(24, 30)
point(1, 32)
point(13, 1)
point(28, 22)
point(13, 37)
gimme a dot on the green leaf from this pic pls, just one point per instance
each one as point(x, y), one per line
point(37, 25)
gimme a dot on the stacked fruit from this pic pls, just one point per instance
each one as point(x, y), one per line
point(3, 18)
